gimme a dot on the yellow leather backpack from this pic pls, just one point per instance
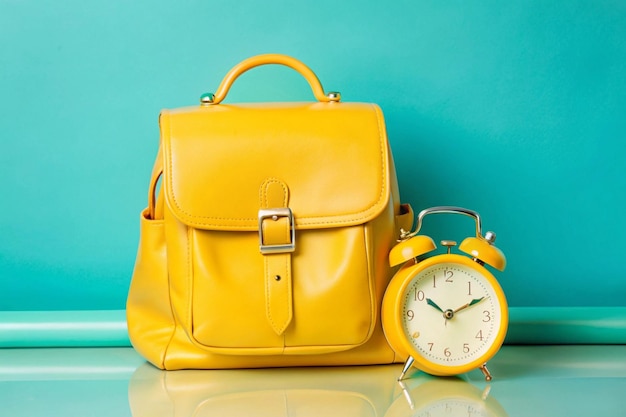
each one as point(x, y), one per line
point(267, 243)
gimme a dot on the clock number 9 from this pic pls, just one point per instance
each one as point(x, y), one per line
point(410, 314)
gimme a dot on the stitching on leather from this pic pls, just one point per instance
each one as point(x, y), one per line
point(262, 196)
point(367, 241)
point(286, 292)
point(268, 290)
point(190, 275)
point(268, 310)
point(285, 297)
point(264, 191)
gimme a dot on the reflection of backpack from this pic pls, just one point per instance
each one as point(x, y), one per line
point(351, 392)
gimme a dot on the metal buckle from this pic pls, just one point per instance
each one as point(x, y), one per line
point(275, 214)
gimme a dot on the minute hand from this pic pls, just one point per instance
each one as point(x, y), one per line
point(471, 303)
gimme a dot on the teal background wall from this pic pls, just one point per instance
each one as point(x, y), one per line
point(514, 109)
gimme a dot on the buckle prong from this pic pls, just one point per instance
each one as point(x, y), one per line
point(274, 214)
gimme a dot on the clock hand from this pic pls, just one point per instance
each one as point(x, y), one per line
point(471, 303)
point(447, 315)
point(432, 303)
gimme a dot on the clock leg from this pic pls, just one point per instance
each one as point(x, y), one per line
point(407, 366)
point(407, 396)
point(485, 372)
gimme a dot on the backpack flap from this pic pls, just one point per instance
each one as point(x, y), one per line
point(333, 158)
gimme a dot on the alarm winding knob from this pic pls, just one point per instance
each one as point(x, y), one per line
point(490, 237)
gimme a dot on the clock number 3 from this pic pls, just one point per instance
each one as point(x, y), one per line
point(487, 316)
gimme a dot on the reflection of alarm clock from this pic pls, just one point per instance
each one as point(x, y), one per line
point(446, 313)
point(445, 398)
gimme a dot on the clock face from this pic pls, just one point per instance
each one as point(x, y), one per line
point(453, 314)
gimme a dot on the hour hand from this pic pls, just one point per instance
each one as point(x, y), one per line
point(433, 304)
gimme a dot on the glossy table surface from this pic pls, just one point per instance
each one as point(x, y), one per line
point(528, 381)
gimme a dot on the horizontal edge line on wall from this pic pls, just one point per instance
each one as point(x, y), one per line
point(107, 328)
point(567, 325)
point(82, 328)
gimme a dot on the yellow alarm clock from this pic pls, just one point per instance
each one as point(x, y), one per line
point(446, 313)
